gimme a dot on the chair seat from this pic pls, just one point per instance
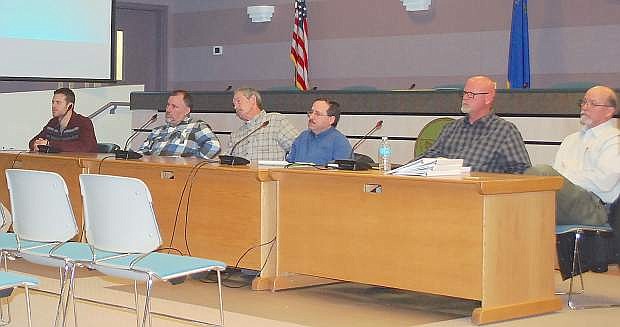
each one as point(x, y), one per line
point(8, 242)
point(161, 265)
point(562, 229)
point(9, 279)
point(71, 251)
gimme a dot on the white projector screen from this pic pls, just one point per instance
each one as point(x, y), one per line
point(57, 40)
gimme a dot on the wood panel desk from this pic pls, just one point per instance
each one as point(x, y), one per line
point(231, 210)
point(487, 237)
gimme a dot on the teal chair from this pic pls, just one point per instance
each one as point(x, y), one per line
point(429, 133)
point(9, 281)
point(358, 88)
point(44, 229)
point(120, 220)
point(583, 85)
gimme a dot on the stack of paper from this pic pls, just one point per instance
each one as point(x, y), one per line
point(432, 167)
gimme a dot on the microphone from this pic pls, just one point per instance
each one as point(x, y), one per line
point(228, 88)
point(353, 164)
point(412, 86)
point(234, 160)
point(124, 153)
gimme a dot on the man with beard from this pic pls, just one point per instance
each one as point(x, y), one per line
point(589, 162)
point(181, 136)
point(321, 143)
point(484, 141)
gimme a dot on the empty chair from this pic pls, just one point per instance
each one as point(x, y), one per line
point(429, 133)
point(119, 219)
point(43, 223)
point(8, 241)
point(575, 85)
point(8, 282)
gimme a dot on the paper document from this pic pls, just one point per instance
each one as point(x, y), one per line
point(432, 167)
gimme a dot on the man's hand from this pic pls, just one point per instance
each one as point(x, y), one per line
point(38, 142)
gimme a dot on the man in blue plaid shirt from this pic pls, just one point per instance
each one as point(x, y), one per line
point(483, 140)
point(181, 136)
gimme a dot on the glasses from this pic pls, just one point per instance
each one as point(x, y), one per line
point(471, 95)
point(316, 113)
point(583, 103)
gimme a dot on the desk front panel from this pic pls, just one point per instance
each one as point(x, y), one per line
point(415, 235)
point(223, 216)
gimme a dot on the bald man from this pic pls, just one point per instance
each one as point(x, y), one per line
point(589, 161)
point(484, 141)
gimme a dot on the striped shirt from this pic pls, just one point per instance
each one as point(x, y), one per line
point(490, 144)
point(77, 136)
point(187, 139)
point(271, 142)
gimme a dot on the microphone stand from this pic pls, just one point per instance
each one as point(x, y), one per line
point(232, 160)
point(129, 154)
point(353, 164)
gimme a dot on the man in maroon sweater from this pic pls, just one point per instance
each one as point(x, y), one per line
point(67, 131)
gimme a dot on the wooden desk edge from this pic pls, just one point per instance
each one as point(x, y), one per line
point(487, 315)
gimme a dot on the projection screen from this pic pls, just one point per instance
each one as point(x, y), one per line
point(57, 40)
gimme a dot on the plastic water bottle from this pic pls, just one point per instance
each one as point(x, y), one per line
point(385, 152)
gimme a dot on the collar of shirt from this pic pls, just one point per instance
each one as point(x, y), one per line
point(482, 122)
point(185, 121)
point(597, 131)
point(323, 134)
point(256, 120)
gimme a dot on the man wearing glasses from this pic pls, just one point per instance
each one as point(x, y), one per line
point(321, 143)
point(589, 161)
point(484, 141)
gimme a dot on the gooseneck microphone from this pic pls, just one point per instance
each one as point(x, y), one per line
point(353, 164)
point(129, 154)
point(229, 159)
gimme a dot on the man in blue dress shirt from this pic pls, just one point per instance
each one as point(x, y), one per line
point(321, 143)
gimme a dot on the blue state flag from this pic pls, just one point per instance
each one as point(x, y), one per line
point(519, 54)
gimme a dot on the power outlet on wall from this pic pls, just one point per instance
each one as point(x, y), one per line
point(218, 50)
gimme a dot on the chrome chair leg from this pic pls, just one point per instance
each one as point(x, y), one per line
point(28, 311)
point(60, 306)
point(136, 298)
point(219, 289)
point(147, 302)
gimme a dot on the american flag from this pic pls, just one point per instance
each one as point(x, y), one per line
point(299, 45)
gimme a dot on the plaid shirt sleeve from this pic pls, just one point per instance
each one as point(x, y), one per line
point(287, 135)
point(146, 147)
point(516, 157)
point(208, 145)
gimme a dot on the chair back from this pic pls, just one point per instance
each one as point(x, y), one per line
point(40, 206)
point(107, 147)
point(429, 133)
point(5, 218)
point(118, 214)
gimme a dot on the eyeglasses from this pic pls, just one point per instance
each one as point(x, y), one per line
point(316, 113)
point(583, 103)
point(471, 95)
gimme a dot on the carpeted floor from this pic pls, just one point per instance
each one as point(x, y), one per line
point(344, 304)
